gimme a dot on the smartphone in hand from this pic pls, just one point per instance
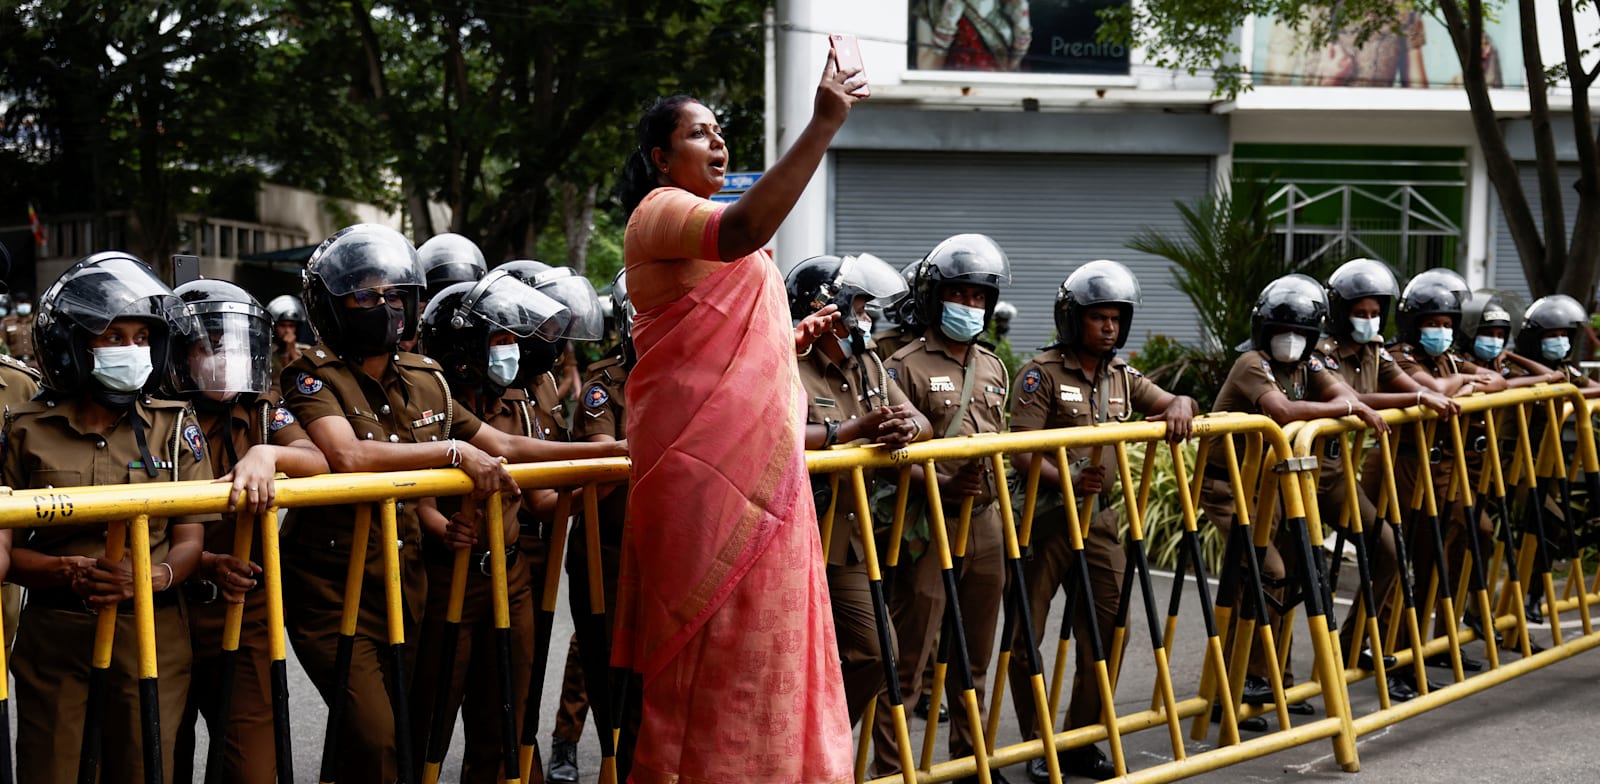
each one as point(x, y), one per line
point(847, 56)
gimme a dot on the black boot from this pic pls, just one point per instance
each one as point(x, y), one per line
point(1087, 761)
point(563, 762)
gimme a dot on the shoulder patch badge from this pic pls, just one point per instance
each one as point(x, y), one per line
point(1331, 362)
point(596, 396)
point(1384, 354)
point(196, 441)
point(1266, 365)
point(894, 373)
point(1031, 380)
point(308, 384)
point(1315, 364)
point(281, 418)
point(1133, 371)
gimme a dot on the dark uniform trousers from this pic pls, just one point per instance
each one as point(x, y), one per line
point(1416, 530)
point(251, 752)
point(1279, 563)
point(1333, 497)
point(856, 625)
point(918, 612)
point(1048, 569)
point(51, 668)
point(475, 659)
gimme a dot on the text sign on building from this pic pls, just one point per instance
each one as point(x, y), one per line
point(734, 184)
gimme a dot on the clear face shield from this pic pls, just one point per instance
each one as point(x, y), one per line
point(578, 295)
point(226, 356)
point(509, 305)
point(96, 294)
point(865, 283)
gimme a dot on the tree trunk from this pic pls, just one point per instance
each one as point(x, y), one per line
point(577, 221)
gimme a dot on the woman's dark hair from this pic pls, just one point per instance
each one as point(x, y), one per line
point(639, 175)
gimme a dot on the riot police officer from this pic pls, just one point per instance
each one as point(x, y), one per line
point(961, 386)
point(901, 314)
point(103, 332)
point(370, 407)
point(18, 384)
point(287, 318)
point(19, 330)
point(1550, 331)
point(1488, 322)
point(222, 369)
point(850, 398)
point(1081, 382)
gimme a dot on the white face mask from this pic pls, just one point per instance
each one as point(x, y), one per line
point(24, 308)
point(1287, 346)
point(503, 363)
point(122, 368)
point(1364, 330)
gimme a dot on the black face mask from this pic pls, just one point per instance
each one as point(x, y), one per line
point(539, 357)
point(369, 332)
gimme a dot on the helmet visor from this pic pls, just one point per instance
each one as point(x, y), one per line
point(578, 294)
point(869, 275)
point(226, 355)
point(366, 257)
point(97, 294)
point(973, 258)
point(1488, 307)
point(509, 304)
point(1102, 281)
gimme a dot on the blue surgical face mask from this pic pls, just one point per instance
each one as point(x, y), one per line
point(845, 344)
point(1436, 340)
point(122, 368)
point(503, 363)
point(1555, 348)
point(24, 308)
point(1364, 330)
point(1487, 348)
point(960, 322)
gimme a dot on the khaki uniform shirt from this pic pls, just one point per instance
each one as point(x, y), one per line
point(280, 360)
point(1253, 375)
point(261, 422)
point(1052, 391)
point(47, 445)
point(835, 393)
point(602, 410)
point(411, 403)
point(1366, 367)
point(932, 379)
point(18, 382)
point(889, 341)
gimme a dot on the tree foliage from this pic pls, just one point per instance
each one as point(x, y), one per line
point(1202, 36)
point(487, 107)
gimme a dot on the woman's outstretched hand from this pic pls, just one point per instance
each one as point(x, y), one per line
point(836, 92)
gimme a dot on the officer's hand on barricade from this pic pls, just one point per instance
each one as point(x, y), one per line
point(1446, 407)
point(814, 326)
point(969, 481)
point(488, 473)
point(1091, 480)
point(1179, 416)
point(1369, 417)
point(107, 583)
point(461, 533)
point(893, 426)
point(253, 477)
point(233, 577)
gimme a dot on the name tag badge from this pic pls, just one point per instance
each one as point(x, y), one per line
point(824, 401)
point(1071, 394)
point(941, 384)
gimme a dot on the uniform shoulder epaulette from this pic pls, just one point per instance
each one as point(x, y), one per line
point(1328, 346)
point(17, 364)
point(913, 347)
point(602, 370)
point(316, 356)
point(156, 402)
point(419, 361)
point(514, 394)
point(29, 407)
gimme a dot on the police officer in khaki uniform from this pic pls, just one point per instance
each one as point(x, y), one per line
point(222, 369)
point(1361, 293)
point(287, 315)
point(1428, 315)
point(1081, 382)
point(901, 314)
point(961, 387)
point(850, 399)
point(18, 329)
point(105, 326)
point(480, 333)
point(1281, 378)
point(18, 384)
point(369, 409)
point(1550, 330)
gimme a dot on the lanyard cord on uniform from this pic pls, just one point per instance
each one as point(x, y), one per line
point(138, 437)
point(227, 440)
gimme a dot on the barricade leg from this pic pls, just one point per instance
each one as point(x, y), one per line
point(1140, 564)
point(1080, 565)
point(100, 668)
point(495, 524)
point(397, 637)
point(231, 624)
point(354, 572)
point(145, 622)
point(543, 620)
point(954, 554)
point(1214, 671)
point(591, 637)
point(442, 722)
point(272, 579)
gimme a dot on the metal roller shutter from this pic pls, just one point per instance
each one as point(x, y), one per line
point(1505, 268)
point(1051, 213)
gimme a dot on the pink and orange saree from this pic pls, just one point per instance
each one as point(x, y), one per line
point(724, 604)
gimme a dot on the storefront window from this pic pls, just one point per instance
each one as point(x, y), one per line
point(1038, 36)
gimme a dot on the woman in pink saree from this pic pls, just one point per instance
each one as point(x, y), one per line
point(723, 607)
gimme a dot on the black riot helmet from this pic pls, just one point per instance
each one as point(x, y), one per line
point(1100, 282)
point(902, 310)
point(226, 360)
point(449, 258)
point(833, 280)
point(1557, 311)
point(1293, 302)
point(287, 307)
point(82, 303)
point(623, 312)
point(1437, 291)
point(356, 261)
point(566, 286)
point(964, 258)
point(1356, 280)
point(460, 320)
point(1491, 308)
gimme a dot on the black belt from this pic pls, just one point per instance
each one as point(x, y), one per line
point(1435, 454)
point(439, 555)
point(67, 599)
point(1218, 473)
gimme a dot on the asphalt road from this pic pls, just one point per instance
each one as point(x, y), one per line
point(1539, 727)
